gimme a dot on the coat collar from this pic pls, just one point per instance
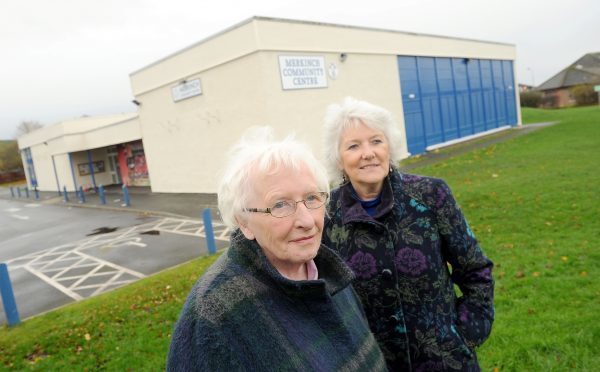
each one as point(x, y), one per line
point(334, 275)
point(351, 208)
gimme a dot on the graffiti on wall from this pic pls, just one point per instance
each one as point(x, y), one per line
point(132, 161)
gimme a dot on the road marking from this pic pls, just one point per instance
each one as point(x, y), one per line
point(19, 217)
point(78, 275)
point(33, 205)
point(12, 210)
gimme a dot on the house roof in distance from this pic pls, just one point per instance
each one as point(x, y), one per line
point(586, 70)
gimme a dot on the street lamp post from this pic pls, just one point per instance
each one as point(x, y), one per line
point(532, 76)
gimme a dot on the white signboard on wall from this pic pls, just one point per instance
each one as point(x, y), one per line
point(186, 90)
point(302, 72)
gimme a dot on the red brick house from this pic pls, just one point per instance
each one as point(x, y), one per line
point(556, 90)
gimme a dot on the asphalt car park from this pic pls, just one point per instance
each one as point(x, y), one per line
point(56, 254)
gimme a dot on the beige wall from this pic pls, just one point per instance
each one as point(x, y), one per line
point(185, 142)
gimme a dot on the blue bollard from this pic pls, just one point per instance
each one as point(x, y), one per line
point(8, 297)
point(208, 231)
point(26, 192)
point(37, 193)
point(81, 194)
point(19, 191)
point(12, 193)
point(102, 195)
point(126, 196)
point(65, 194)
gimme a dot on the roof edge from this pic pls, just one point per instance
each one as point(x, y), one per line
point(316, 23)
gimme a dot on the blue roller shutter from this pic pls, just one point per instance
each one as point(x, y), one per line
point(450, 98)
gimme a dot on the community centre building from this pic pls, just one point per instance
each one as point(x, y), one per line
point(194, 104)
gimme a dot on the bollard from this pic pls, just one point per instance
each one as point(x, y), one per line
point(19, 191)
point(8, 297)
point(102, 195)
point(26, 192)
point(37, 193)
point(65, 194)
point(126, 196)
point(81, 195)
point(12, 193)
point(208, 231)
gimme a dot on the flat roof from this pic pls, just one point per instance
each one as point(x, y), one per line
point(314, 23)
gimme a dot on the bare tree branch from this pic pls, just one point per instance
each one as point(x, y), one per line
point(27, 126)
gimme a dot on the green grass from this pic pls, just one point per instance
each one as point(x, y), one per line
point(533, 203)
point(127, 329)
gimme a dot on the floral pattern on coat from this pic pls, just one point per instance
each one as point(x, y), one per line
point(407, 259)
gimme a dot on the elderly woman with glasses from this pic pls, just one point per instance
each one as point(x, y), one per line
point(408, 243)
point(276, 299)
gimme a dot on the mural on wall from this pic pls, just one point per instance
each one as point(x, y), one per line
point(132, 161)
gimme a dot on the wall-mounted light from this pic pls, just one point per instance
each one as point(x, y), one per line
point(466, 60)
point(343, 57)
point(136, 102)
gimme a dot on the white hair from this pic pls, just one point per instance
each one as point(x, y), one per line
point(349, 114)
point(258, 154)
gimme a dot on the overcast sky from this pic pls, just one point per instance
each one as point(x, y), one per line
point(62, 59)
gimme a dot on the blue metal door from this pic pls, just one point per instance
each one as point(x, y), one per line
point(447, 99)
point(463, 98)
point(499, 93)
point(411, 100)
point(509, 85)
point(450, 98)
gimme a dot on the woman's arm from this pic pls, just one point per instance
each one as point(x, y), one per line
point(471, 269)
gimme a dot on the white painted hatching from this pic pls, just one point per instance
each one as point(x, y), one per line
point(80, 275)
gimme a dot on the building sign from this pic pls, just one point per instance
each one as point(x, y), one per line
point(97, 167)
point(302, 72)
point(186, 90)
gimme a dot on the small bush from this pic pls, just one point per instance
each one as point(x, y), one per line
point(531, 98)
point(549, 100)
point(584, 95)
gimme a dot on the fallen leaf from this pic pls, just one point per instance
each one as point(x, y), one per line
point(536, 274)
point(88, 337)
point(583, 273)
point(519, 274)
point(564, 258)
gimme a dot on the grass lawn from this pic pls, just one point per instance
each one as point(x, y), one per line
point(532, 202)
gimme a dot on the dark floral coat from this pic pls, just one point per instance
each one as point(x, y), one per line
point(406, 259)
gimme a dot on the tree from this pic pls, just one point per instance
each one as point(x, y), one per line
point(531, 98)
point(10, 157)
point(27, 126)
point(584, 94)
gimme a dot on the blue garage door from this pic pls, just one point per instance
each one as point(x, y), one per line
point(449, 98)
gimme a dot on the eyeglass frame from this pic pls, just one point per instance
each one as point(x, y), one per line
point(324, 194)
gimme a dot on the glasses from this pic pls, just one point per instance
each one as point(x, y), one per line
point(284, 208)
